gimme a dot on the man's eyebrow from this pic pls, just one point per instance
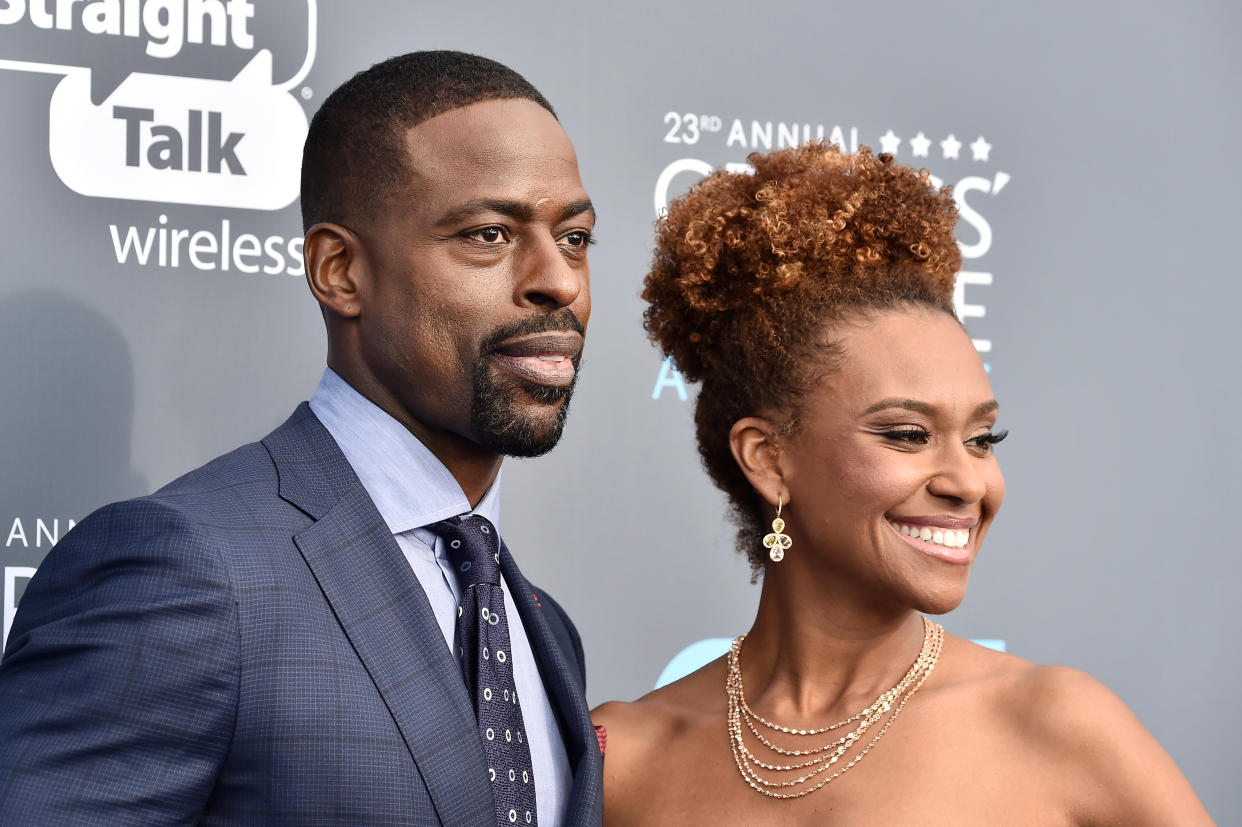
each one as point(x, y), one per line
point(577, 208)
point(919, 406)
point(517, 210)
point(514, 209)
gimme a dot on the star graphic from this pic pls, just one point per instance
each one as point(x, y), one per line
point(951, 146)
point(889, 142)
point(979, 149)
point(919, 144)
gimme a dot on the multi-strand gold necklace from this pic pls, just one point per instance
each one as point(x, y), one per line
point(802, 777)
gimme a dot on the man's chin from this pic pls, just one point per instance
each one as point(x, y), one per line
point(520, 438)
point(522, 421)
point(515, 417)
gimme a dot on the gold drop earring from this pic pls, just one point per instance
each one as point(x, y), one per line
point(777, 542)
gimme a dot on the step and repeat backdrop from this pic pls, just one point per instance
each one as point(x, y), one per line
point(153, 312)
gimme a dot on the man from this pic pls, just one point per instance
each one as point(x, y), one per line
point(282, 636)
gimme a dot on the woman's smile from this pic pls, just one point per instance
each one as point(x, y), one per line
point(938, 537)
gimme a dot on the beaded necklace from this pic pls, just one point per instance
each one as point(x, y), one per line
point(823, 756)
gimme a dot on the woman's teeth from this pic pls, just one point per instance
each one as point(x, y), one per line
point(948, 537)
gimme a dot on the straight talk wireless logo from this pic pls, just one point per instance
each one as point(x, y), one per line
point(127, 124)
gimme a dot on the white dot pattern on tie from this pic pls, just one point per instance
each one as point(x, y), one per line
point(482, 638)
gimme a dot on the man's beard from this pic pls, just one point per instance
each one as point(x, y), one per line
point(499, 421)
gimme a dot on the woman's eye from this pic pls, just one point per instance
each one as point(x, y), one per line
point(488, 235)
point(907, 436)
point(984, 442)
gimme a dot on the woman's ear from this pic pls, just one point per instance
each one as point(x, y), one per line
point(334, 264)
point(755, 443)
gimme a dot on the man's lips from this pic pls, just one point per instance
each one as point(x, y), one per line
point(541, 358)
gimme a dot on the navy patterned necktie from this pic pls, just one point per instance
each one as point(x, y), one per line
point(482, 638)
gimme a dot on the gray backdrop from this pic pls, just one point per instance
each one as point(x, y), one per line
point(1099, 201)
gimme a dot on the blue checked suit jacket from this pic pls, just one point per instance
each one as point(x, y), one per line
point(249, 646)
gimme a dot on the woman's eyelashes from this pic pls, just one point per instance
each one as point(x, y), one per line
point(984, 442)
point(913, 437)
point(906, 436)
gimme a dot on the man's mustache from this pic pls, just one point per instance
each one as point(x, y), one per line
point(563, 319)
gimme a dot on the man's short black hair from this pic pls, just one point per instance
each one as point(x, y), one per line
point(354, 157)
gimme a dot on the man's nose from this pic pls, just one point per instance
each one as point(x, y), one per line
point(546, 278)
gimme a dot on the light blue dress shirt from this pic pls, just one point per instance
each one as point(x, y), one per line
point(412, 489)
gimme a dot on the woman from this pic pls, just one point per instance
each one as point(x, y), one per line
point(849, 419)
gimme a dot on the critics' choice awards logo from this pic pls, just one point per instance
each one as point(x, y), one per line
point(947, 153)
point(181, 105)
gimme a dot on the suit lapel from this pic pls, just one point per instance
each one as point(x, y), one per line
point(383, 610)
point(559, 670)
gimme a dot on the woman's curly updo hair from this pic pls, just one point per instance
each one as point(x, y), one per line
point(751, 270)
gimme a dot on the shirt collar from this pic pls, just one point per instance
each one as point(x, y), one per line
point(407, 482)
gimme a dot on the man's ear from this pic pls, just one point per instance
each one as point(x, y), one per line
point(755, 443)
point(335, 265)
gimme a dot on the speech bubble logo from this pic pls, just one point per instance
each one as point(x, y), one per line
point(185, 139)
point(181, 140)
point(190, 38)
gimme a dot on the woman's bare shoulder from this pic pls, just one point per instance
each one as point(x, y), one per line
point(1057, 707)
point(658, 731)
point(664, 710)
point(638, 727)
point(1067, 719)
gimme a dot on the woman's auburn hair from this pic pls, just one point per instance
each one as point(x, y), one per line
point(750, 270)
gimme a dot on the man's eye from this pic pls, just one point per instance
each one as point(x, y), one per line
point(488, 235)
point(578, 238)
point(908, 436)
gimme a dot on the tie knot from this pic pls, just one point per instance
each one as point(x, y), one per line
point(473, 547)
